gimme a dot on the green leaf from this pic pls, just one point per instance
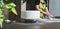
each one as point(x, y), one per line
point(10, 5)
point(0, 0)
point(14, 11)
point(0, 11)
point(1, 22)
point(2, 16)
point(0, 4)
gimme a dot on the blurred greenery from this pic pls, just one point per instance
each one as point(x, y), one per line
point(6, 5)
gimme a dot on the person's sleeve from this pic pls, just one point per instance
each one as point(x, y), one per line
point(37, 2)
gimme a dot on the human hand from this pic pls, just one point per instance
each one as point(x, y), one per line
point(49, 15)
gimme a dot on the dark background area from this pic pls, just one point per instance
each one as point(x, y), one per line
point(30, 5)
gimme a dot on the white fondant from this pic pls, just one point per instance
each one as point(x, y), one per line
point(30, 14)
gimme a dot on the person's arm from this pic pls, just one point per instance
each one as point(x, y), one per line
point(47, 10)
point(48, 13)
point(37, 7)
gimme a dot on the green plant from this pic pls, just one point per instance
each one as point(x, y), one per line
point(6, 5)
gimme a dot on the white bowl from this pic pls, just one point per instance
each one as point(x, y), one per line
point(30, 14)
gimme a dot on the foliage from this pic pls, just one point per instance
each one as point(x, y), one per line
point(6, 5)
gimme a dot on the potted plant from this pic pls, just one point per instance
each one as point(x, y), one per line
point(7, 6)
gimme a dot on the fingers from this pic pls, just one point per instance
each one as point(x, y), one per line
point(49, 15)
